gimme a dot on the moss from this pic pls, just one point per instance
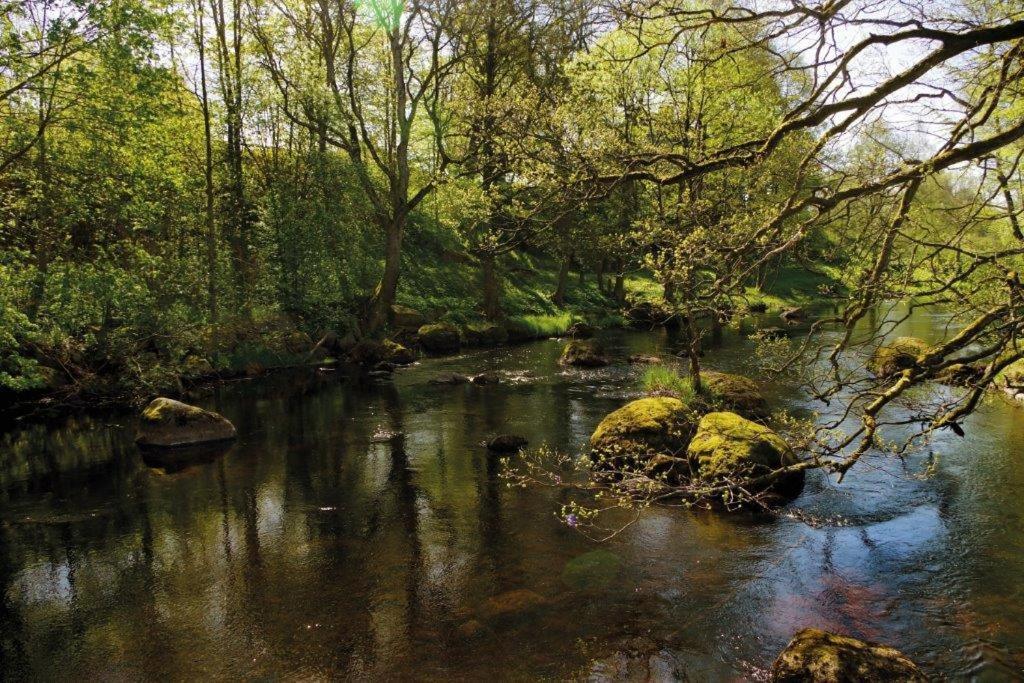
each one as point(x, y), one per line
point(727, 446)
point(900, 354)
point(593, 570)
point(823, 657)
point(398, 354)
point(588, 354)
point(439, 338)
point(166, 410)
point(648, 431)
point(736, 393)
point(485, 334)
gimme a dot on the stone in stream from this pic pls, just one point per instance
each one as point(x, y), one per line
point(816, 656)
point(593, 570)
point(646, 432)
point(580, 330)
point(729, 448)
point(166, 422)
point(792, 316)
point(486, 334)
point(644, 359)
point(640, 661)
point(584, 354)
point(512, 604)
point(486, 378)
point(507, 443)
point(439, 338)
point(735, 393)
point(900, 354)
point(451, 378)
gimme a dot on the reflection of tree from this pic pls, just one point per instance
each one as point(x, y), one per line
point(12, 649)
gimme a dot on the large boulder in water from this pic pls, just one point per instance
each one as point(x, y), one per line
point(166, 422)
point(730, 448)
point(648, 432)
point(439, 338)
point(815, 656)
point(485, 334)
point(735, 393)
point(898, 355)
point(584, 354)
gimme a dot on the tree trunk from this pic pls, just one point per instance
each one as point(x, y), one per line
point(563, 280)
point(491, 287)
point(211, 226)
point(387, 288)
point(694, 333)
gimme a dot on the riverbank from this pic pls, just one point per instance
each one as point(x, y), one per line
point(128, 366)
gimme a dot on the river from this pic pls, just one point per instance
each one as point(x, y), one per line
point(317, 547)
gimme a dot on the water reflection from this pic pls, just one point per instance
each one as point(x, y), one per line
point(359, 529)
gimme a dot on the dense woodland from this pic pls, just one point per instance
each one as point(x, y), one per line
point(195, 188)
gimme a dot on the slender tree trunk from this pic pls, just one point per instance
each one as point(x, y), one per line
point(491, 287)
point(211, 225)
point(601, 267)
point(563, 281)
point(694, 333)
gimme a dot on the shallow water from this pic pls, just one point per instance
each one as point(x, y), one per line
point(316, 547)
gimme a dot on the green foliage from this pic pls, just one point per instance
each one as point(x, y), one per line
point(659, 379)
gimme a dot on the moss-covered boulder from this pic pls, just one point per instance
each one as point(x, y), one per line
point(580, 330)
point(960, 374)
point(649, 434)
point(584, 354)
point(397, 354)
point(485, 334)
point(735, 393)
point(404, 316)
point(651, 314)
point(166, 422)
point(731, 448)
point(793, 315)
point(815, 656)
point(900, 354)
point(439, 338)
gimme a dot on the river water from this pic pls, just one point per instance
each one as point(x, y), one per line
point(317, 548)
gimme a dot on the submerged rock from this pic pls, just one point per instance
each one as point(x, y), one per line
point(507, 443)
point(450, 378)
point(900, 354)
point(515, 603)
point(728, 447)
point(584, 354)
point(166, 422)
point(636, 664)
point(653, 431)
point(439, 338)
point(644, 359)
point(486, 378)
point(594, 570)
point(735, 393)
point(815, 656)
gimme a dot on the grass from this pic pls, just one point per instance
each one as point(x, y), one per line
point(441, 281)
point(657, 379)
point(544, 325)
point(794, 285)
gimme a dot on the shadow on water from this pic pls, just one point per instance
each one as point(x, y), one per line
point(359, 529)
